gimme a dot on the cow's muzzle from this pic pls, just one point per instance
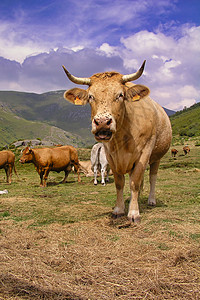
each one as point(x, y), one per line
point(102, 128)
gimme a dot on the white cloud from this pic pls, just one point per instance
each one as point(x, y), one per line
point(173, 65)
point(108, 50)
point(186, 102)
point(15, 48)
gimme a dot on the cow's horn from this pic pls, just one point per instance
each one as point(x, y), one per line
point(77, 80)
point(134, 76)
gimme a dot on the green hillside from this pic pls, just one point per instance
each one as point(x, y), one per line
point(14, 128)
point(187, 122)
point(50, 108)
point(50, 116)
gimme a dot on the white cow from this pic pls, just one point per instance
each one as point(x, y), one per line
point(99, 162)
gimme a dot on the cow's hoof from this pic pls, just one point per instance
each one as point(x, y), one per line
point(152, 203)
point(117, 216)
point(135, 221)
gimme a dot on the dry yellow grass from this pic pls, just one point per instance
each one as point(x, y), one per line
point(61, 243)
point(97, 260)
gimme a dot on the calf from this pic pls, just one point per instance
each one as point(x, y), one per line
point(52, 159)
point(7, 162)
point(186, 149)
point(174, 152)
point(99, 162)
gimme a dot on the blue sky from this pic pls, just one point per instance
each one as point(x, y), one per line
point(37, 37)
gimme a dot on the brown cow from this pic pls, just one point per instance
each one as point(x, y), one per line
point(7, 162)
point(52, 159)
point(186, 149)
point(134, 129)
point(174, 152)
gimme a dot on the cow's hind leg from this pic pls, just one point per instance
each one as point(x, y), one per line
point(6, 168)
point(77, 170)
point(67, 171)
point(103, 171)
point(95, 174)
point(152, 180)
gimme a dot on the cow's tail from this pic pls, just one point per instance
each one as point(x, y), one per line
point(77, 168)
point(15, 171)
point(96, 159)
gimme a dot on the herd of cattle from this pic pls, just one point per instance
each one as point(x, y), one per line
point(63, 158)
point(134, 129)
point(186, 150)
point(59, 158)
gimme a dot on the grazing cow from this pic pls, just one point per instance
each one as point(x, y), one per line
point(99, 162)
point(174, 152)
point(52, 159)
point(7, 162)
point(134, 129)
point(85, 167)
point(186, 149)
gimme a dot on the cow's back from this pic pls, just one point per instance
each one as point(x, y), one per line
point(6, 157)
point(95, 154)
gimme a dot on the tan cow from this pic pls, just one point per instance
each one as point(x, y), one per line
point(186, 149)
point(134, 129)
point(85, 167)
point(52, 159)
point(7, 162)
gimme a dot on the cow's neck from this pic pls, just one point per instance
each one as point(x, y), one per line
point(121, 149)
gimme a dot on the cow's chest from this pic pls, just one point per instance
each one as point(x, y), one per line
point(121, 162)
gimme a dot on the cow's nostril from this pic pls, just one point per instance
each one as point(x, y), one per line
point(109, 122)
point(96, 123)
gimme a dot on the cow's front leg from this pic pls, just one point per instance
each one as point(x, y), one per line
point(136, 179)
point(46, 173)
point(119, 209)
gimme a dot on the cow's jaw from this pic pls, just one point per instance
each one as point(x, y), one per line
point(103, 135)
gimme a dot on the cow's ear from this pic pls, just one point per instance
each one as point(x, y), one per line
point(137, 92)
point(76, 96)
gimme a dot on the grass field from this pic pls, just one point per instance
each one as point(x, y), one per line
point(60, 242)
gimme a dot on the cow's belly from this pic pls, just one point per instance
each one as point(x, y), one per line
point(59, 167)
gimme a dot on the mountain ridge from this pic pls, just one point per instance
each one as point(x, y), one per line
point(51, 109)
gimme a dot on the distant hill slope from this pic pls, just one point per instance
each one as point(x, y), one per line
point(187, 121)
point(169, 112)
point(49, 108)
point(14, 128)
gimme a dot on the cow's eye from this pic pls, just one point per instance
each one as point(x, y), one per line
point(91, 98)
point(120, 97)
